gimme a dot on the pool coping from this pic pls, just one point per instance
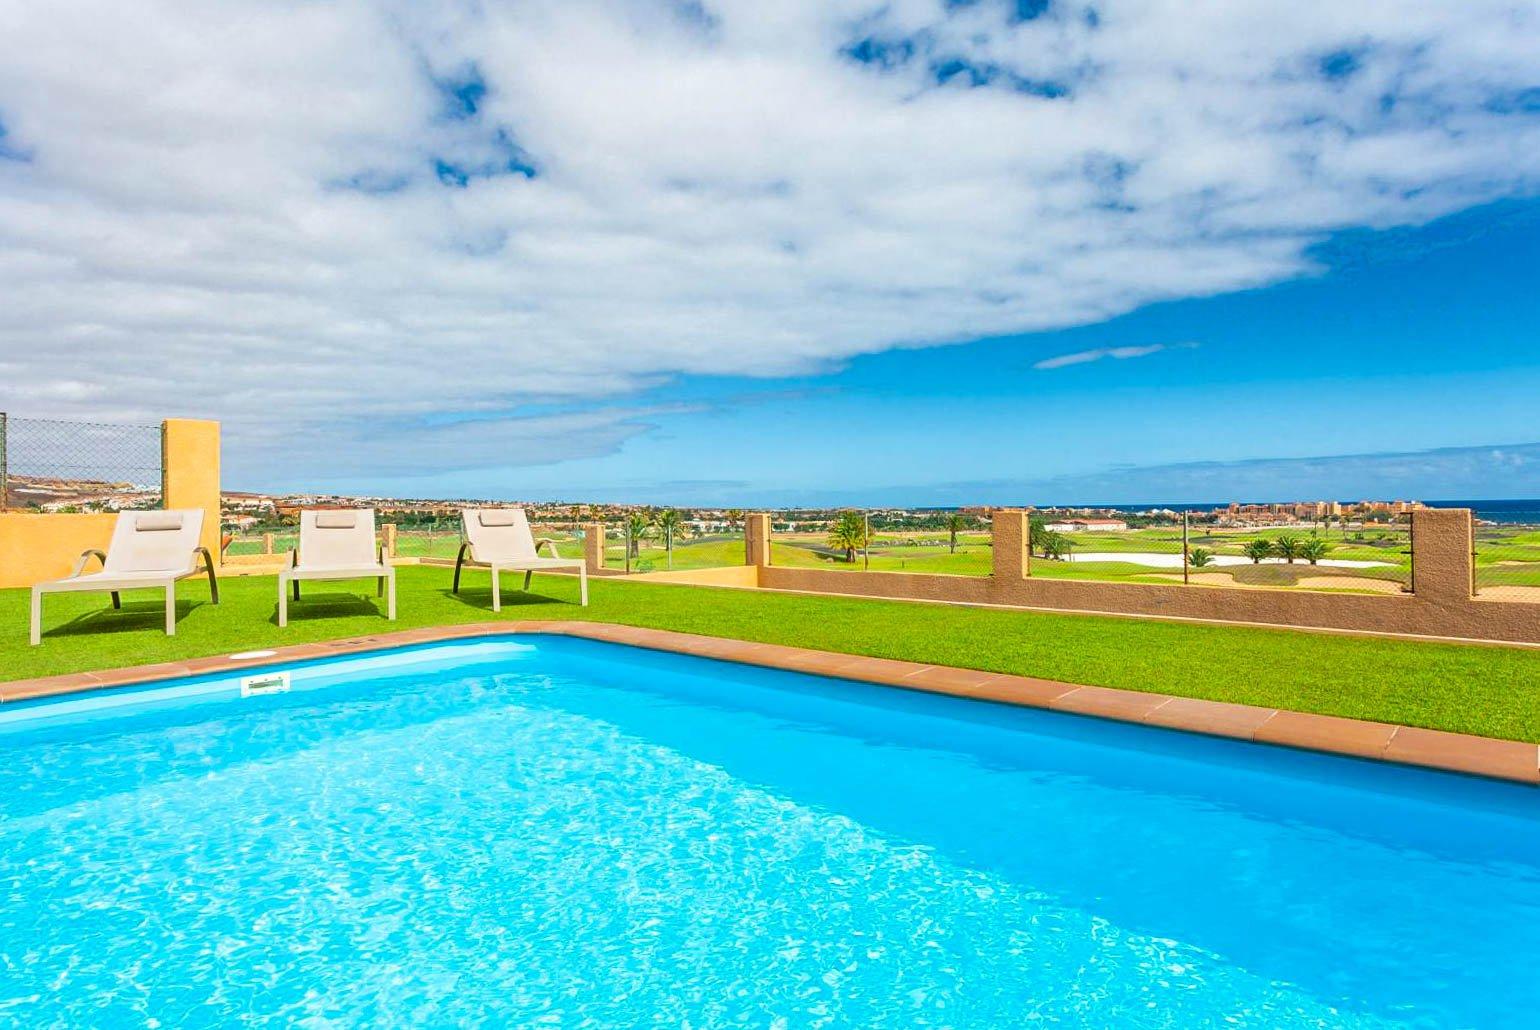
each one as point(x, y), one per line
point(1510, 760)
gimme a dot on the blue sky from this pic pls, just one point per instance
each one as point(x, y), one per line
point(1403, 342)
point(802, 252)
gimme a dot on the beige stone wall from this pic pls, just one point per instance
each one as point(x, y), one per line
point(723, 576)
point(756, 537)
point(593, 547)
point(1441, 603)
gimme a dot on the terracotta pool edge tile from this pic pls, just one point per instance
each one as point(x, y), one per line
point(1109, 703)
point(1460, 752)
point(1022, 691)
point(1212, 718)
point(48, 686)
point(1331, 733)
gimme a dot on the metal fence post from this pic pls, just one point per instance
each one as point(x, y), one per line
point(866, 541)
point(5, 482)
point(1186, 555)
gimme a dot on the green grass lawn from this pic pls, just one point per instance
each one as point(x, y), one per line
point(1486, 690)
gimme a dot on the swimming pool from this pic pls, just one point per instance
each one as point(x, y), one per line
point(550, 829)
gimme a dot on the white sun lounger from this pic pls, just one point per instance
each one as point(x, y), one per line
point(499, 539)
point(336, 545)
point(150, 550)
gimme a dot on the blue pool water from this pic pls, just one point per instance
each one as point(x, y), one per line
point(560, 832)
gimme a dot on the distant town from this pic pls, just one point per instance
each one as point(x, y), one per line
point(253, 512)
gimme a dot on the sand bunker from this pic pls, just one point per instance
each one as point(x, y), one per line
point(1503, 592)
point(1212, 579)
point(1379, 586)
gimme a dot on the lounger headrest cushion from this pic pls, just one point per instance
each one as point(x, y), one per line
point(336, 519)
point(498, 516)
point(157, 521)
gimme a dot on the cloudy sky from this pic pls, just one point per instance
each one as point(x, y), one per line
point(805, 250)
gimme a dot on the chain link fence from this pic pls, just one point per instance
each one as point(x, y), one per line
point(1358, 551)
point(1507, 556)
point(1253, 546)
point(53, 465)
point(944, 541)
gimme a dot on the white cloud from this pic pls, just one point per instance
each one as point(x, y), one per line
point(1117, 353)
point(238, 210)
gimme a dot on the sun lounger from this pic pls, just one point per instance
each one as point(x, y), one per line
point(150, 550)
point(336, 545)
point(499, 539)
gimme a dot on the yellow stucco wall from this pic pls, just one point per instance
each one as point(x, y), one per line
point(36, 547)
point(190, 472)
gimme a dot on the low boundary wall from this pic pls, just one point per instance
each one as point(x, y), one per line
point(1441, 602)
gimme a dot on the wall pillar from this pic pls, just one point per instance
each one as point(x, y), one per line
point(267, 543)
point(189, 476)
point(1012, 540)
point(756, 539)
point(387, 539)
point(1443, 568)
point(593, 547)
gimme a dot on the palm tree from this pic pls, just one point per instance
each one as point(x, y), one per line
point(734, 516)
point(1258, 549)
point(1314, 549)
point(1201, 557)
point(1287, 547)
point(668, 522)
point(636, 528)
point(848, 534)
point(955, 524)
point(1055, 545)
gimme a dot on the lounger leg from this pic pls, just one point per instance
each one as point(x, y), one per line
point(283, 602)
point(171, 609)
point(296, 590)
point(390, 596)
point(459, 564)
point(527, 577)
point(583, 583)
point(117, 600)
point(37, 616)
point(379, 587)
point(497, 590)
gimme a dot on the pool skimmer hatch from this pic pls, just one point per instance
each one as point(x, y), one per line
point(265, 683)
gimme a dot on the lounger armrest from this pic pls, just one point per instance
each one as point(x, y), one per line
point(201, 552)
point(293, 558)
point(85, 556)
point(544, 541)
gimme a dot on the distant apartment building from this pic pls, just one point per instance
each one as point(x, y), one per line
point(1087, 526)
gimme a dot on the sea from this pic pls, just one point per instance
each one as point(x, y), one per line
point(1506, 512)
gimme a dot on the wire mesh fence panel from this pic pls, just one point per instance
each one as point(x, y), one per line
point(428, 538)
point(1255, 549)
point(938, 541)
point(1107, 545)
point(1507, 557)
point(244, 544)
point(671, 539)
point(52, 465)
point(567, 538)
